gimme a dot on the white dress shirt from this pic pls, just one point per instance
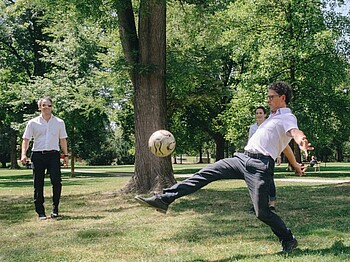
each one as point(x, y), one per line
point(252, 130)
point(46, 134)
point(272, 136)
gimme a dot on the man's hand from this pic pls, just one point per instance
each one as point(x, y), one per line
point(65, 161)
point(278, 160)
point(300, 169)
point(301, 140)
point(305, 146)
point(25, 144)
point(24, 160)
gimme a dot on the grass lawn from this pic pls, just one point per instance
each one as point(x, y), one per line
point(210, 225)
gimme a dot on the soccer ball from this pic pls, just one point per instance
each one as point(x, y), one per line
point(161, 143)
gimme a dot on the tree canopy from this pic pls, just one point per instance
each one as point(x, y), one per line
point(119, 70)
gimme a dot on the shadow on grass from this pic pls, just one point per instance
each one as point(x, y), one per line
point(80, 217)
point(338, 249)
point(308, 174)
point(100, 174)
point(21, 184)
point(17, 177)
point(94, 172)
point(186, 171)
point(16, 209)
point(29, 183)
point(224, 214)
point(220, 214)
point(21, 178)
point(326, 172)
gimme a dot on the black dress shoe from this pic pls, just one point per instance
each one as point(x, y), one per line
point(54, 215)
point(155, 202)
point(42, 217)
point(288, 246)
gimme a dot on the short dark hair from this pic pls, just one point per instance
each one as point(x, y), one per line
point(282, 88)
point(262, 108)
point(40, 101)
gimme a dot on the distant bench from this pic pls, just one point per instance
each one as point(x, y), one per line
point(316, 166)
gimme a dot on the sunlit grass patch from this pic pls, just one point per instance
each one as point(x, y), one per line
point(212, 224)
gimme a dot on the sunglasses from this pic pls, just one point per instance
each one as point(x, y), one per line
point(45, 105)
point(270, 97)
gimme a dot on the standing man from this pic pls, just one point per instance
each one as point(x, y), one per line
point(49, 135)
point(255, 165)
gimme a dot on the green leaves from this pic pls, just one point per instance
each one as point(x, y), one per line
point(289, 41)
point(221, 55)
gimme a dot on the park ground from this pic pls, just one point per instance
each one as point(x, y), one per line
point(213, 224)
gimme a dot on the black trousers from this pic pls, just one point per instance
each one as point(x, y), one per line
point(257, 174)
point(50, 162)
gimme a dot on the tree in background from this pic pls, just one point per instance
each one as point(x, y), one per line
point(221, 55)
point(144, 53)
point(145, 50)
point(200, 74)
point(60, 62)
point(82, 98)
point(21, 33)
point(299, 45)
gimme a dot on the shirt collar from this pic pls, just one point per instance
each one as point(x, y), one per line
point(280, 111)
point(42, 118)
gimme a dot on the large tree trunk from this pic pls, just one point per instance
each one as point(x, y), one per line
point(297, 153)
point(72, 153)
point(339, 153)
point(13, 150)
point(220, 146)
point(36, 32)
point(200, 155)
point(152, 173)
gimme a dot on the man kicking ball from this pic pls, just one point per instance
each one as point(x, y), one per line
point(255, 165)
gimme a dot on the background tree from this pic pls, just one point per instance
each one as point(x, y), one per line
point(144, 51)
point(145, 54)
point(62, 64)
point(21, 30)
point(83, 97)
point(107, 74)
point(200, 74)
point(297, 46)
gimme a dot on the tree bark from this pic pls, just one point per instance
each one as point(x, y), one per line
point(147, 57)
point(13, 150)
point(36, 32)
point(72, 153)
point(200, 155)
point(220, 146)
point(339, 153)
